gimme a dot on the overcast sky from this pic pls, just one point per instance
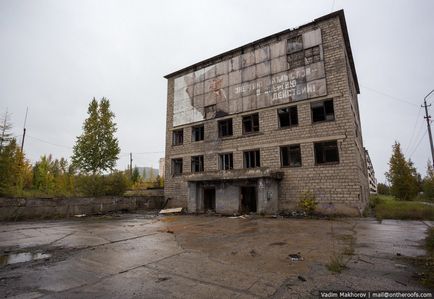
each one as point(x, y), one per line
point(55, 56)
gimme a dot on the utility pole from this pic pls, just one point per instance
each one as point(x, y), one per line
point(131, 164)
point(428, 124)
point(24, 130)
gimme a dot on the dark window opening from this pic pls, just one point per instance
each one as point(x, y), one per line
point(226, 161)
point(252, 159)
point(178, 137)
point(290, 156)
point(251, 123)
point(288, 117)
point(197, 133)
point(326, 152)
point(323, 111)
point(225, 127)
point(197, 164)
point(177, 166)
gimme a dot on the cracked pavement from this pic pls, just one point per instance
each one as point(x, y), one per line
point(149, 256)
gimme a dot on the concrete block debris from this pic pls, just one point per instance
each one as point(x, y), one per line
point(171, 211)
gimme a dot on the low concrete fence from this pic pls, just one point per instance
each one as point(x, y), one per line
point(39, 208)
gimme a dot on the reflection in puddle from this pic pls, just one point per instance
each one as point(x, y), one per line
point(22, 257)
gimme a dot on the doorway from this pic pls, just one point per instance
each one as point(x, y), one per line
point(209, 199)
point(248, 200)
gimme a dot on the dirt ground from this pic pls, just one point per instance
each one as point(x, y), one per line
point(149, 256)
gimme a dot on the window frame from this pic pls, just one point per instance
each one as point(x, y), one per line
point(322, 104)
point(201, 133)
point(200, 163)
point(257, 158)
point(253, 119)
point(174, 137)
point(291, 148)
point(292, 123)
point(229, 123)
point(329, 144)
point(174, 164)
point(230, 162)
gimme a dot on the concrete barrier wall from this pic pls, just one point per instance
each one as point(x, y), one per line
point(34, 208)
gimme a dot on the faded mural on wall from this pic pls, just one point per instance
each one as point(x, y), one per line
point(281, 72)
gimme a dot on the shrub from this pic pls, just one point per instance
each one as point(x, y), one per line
point(99, 185)
point(91, 185)
point(116, 184)
point(307, 202)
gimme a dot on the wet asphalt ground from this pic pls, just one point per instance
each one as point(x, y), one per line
point(149, 256)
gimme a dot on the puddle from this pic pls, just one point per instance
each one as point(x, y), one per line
point(22, 257)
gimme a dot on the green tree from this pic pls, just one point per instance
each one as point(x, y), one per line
point(43, 175)
point(96, 149)
point(402, 175)
point(14, 169)
point(428, 182)
point(383, 189)
point(136, 175)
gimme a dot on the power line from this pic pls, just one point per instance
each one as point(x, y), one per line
point(389, 96)
point(414, 130)
point(417, 145)
point(51, 143)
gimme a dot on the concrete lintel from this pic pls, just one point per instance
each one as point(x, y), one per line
point(236, 174)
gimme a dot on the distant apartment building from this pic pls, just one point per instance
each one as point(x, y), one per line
point(161, 166)
point(371, 174)
point(252, 129)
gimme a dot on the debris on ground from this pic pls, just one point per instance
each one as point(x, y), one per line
point(277, 244)
point(295, 257)
point(253, 252)
point(169, 231)
point(239, 217)
point(80, 215)
point(171, 211)
point(398, 254)
point(160, 279)
point(301, 278)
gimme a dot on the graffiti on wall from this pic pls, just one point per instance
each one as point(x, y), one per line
point(281, 72)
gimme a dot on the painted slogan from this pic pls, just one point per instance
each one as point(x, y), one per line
point(281, 72)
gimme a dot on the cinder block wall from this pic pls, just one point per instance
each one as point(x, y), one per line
point(339, 188)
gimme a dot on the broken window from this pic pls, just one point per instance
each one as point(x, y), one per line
point(252, 159)
point(197, 133)
point(196, 163)
point(290, 156)
point(177, 166)
point(178, 137)
point(326, 152)
point(251, 123)
point(312, 55)
point(226, 161)
point(210, 111)
point(287, 117)
point(225, 127)
point(295, 44)
point(323, 111)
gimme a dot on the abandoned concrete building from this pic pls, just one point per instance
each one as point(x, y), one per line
point(252, 129)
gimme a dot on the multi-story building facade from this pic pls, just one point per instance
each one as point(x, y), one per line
point(372, 181)
point(252, 129)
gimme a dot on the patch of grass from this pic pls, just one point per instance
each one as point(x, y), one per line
point(336, 263)
point(404, 210)
point(429, 241)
